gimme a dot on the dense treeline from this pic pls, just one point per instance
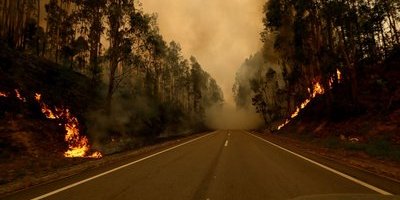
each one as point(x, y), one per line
point(144, 79)
point(258, 84)
point(312, 39)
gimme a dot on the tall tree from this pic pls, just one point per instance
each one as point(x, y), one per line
point(118, 16)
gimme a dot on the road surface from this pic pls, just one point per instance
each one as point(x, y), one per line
point(220, 165)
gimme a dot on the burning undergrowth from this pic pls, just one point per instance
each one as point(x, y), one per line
point(316, 90)
point(369, 128)
point(42, 117)
point(78, 145)
point(36, 89)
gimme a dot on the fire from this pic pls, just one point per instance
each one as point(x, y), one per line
point(45, 109)
point(3, 94)
point(339, 75)
point(332, 78)
point(78, 145)
point(284, 124)
point(18, 95)
point(317, 90)
point(330, 82)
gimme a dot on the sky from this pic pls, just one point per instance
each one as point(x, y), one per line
point(221, 34)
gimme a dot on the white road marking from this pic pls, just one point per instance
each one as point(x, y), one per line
point(327, 168)
point(115, 169)
point(226, 143)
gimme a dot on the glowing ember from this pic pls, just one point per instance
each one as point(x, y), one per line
point(317, 90)
point(339, 75)
point(3, 94)
point(78, 146)
point(18, 95)
point(45, 109)
point(284, 124)
point(96, 155)
point(332, 78)
point(38, 97)
point(330, 82)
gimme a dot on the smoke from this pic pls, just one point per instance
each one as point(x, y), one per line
point(128, 123)
point(228, 116)
point(100, 124)
point(221, 34)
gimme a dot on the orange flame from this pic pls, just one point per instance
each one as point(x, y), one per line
point(332, 78)
point(317, 90)
point(78, 146)
point(45, 109)
point(339, 75)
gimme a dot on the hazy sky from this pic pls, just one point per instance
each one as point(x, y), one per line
point(219, 33)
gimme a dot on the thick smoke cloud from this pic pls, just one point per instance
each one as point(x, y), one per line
point(221, 34)
point(229, 117)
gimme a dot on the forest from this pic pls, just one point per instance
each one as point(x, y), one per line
point(346, 50)
point(97, 102)
point(139, 84)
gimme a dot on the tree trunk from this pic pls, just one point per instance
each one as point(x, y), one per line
point(94, 47)
point(114, 52)
point(37, 31)
point(349, 61)
point(111, 84)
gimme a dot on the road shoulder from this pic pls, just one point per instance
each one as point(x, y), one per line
point(339, 161)
point(90, 166)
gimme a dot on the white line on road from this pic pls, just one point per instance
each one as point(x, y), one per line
point(115, 169)
point(327, 168)
point(226, 143)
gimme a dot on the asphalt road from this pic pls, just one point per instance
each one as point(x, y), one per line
point(221, 165)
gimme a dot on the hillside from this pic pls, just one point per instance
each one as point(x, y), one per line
point(371, 127)
point(28, 139)
point(328, 73)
